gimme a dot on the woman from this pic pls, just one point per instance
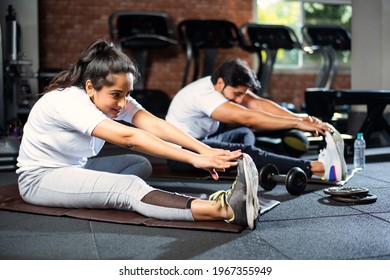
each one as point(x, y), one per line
point(76, 115)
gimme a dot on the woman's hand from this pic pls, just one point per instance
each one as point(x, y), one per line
point(216, 160)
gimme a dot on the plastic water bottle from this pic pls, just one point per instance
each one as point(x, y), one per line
point(359, 154)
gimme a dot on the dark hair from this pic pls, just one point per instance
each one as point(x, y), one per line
point(97, 63)
point(235, 73)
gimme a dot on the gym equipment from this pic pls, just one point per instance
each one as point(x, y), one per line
point(268, 39)
point(140, 32)
point(346, 191)
point(369, 198)
point(295, 143)
point(356, 195)
point(321, 103)
point(2, 103)
point(295, 180)
point(9, 150)
point(204, 37)
point(45, 76)
point(18, 98)
point(328, 40)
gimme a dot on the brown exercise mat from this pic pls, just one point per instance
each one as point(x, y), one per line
point(10, 200)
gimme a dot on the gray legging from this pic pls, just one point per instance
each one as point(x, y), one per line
point(105, 182)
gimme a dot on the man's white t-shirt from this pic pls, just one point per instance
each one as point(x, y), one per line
point(59, 127)
point(191, 108)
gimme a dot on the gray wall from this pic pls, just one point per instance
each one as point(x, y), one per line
point(371, 44)
point(370, 68)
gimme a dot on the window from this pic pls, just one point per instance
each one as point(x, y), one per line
point(295, 14)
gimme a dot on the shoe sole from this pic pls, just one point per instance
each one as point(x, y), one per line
point(340, 149)
point(255, 187)
point(331, 145)
point(252, 183)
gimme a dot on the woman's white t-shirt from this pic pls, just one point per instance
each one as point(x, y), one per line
point(191, 108)
point(59, 127)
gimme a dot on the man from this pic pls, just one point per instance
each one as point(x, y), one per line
point(227, 96)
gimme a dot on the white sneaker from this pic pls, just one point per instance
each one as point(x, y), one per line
point(340, 149)
point(331, 160)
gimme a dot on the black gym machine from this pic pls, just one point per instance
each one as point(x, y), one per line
point(327, 40)
point(139, 33)
point(266, 41)
point(201, 40)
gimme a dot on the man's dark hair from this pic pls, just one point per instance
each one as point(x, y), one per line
point(235, 73)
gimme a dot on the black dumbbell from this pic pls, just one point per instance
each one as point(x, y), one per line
point(295, 180)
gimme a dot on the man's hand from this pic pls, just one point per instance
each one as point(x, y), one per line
point(314, 125)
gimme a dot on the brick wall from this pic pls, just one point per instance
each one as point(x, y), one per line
point(66, 27)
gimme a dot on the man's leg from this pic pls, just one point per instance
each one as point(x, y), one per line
point(262, 158)
point(241, 135)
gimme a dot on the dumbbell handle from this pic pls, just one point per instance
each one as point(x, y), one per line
point(278, 178)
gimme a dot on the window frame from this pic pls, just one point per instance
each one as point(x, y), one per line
point(301, 67)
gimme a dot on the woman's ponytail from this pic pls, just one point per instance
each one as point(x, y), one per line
point(100, 60)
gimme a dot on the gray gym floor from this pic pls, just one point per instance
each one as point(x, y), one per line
point(307, 227)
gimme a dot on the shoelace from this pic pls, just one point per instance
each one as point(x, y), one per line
point(223, 197)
